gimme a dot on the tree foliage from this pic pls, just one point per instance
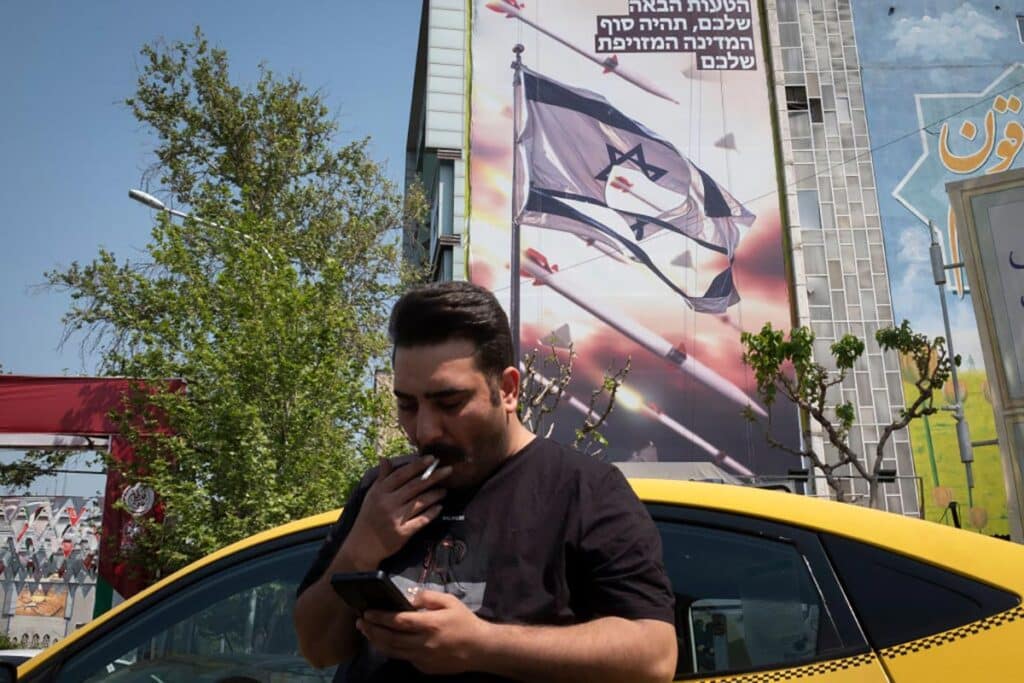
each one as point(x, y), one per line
point(787, 366)
point(270, 301)
point(545, 385)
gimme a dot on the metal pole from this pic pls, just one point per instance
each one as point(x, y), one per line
point(513, 306)
point(963, 434)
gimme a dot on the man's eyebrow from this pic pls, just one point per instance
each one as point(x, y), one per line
point(446, 393)
point(433, 395)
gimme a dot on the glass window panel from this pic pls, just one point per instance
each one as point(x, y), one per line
point(743, 601)
point(805, 179)
point(787, 10)
point(814, 104)
point(799, 125)
point(235, 623)
point(843, 109)
point(796, 98)
point(792, 59)
point(789, 34)
point(810, 217)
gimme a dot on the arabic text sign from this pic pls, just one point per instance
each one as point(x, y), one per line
point(1005, 143)
point(981, 133)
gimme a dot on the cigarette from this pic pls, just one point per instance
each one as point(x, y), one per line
point(430, 470)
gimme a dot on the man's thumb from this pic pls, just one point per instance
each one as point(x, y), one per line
point(425, 599)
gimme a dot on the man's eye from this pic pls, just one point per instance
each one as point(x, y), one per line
point(450, 406)
point(406, 407)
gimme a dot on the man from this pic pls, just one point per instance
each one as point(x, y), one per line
point(534, 562)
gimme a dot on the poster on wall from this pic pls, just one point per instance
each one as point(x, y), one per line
point(631, 141)
point(49, 557)
point(937, 115)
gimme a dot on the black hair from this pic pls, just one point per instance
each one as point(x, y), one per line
point(445, 311)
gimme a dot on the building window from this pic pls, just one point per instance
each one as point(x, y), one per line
point(814, 104)
point(744, 602)
point(810, 213)
point(796, 98)
point(800, 130)
point(1020, 27)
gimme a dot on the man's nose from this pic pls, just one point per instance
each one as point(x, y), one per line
point(428, 427)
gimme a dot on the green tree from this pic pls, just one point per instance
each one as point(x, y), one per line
point(787, 366)
point(270, 301)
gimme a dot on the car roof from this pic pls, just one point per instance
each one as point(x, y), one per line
point(992, 560)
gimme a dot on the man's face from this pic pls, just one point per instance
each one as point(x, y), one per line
point(450, 410)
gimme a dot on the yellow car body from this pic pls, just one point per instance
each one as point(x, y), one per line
point(770, 586)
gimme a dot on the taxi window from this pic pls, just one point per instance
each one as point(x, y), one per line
point(900, 599)
point(743, 602)
point(234, 623)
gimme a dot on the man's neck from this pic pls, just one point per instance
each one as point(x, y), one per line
point(519, 438)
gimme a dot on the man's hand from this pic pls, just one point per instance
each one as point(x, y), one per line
point(444, 637)
point(397, 505)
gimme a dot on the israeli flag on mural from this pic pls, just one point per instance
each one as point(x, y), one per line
point(575, 147)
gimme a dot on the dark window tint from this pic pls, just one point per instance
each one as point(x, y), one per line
point(814, 104)
point(796, 98)
point(232, 625)
point(900, 599)
point(742, 601)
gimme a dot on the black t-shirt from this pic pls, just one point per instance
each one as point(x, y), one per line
point(551, 537)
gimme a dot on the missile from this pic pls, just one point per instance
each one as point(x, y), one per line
point(536, 267)
point(635, 402)
point(605, 246)
point(720, 457)
point(511, 10)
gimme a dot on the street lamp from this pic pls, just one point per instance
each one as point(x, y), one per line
point(154, 203)
point(963, 434)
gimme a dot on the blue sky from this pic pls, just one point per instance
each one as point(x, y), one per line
point(69, 148)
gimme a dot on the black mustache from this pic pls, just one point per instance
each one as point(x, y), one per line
point(444, 452)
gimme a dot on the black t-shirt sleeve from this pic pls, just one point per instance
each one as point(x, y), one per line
point(621, 549)
point(335, 537)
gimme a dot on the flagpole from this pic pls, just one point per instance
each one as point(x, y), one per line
point(517, 83)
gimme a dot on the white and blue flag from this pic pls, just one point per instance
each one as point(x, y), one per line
point(575, 150)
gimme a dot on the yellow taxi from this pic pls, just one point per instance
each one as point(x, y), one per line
point(769, 586)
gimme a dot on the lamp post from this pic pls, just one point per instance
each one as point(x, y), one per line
point(963, 434)
point(154, 203)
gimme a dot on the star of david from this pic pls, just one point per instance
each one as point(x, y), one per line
point(635, 155)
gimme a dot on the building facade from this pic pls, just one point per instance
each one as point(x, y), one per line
point(784, 110)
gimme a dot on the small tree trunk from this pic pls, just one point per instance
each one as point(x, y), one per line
point(873, 487)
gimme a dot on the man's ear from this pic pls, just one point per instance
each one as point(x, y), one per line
point(510, 388)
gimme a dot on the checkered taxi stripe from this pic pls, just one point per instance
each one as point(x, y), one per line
point(796, 673)
point(946, 637)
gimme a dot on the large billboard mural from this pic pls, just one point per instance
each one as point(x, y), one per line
point(643, 181)
point(944, 86)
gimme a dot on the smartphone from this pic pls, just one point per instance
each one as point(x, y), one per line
point(370, 590)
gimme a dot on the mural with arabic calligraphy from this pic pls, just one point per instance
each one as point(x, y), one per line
point(944, 91)
point(48, 564)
